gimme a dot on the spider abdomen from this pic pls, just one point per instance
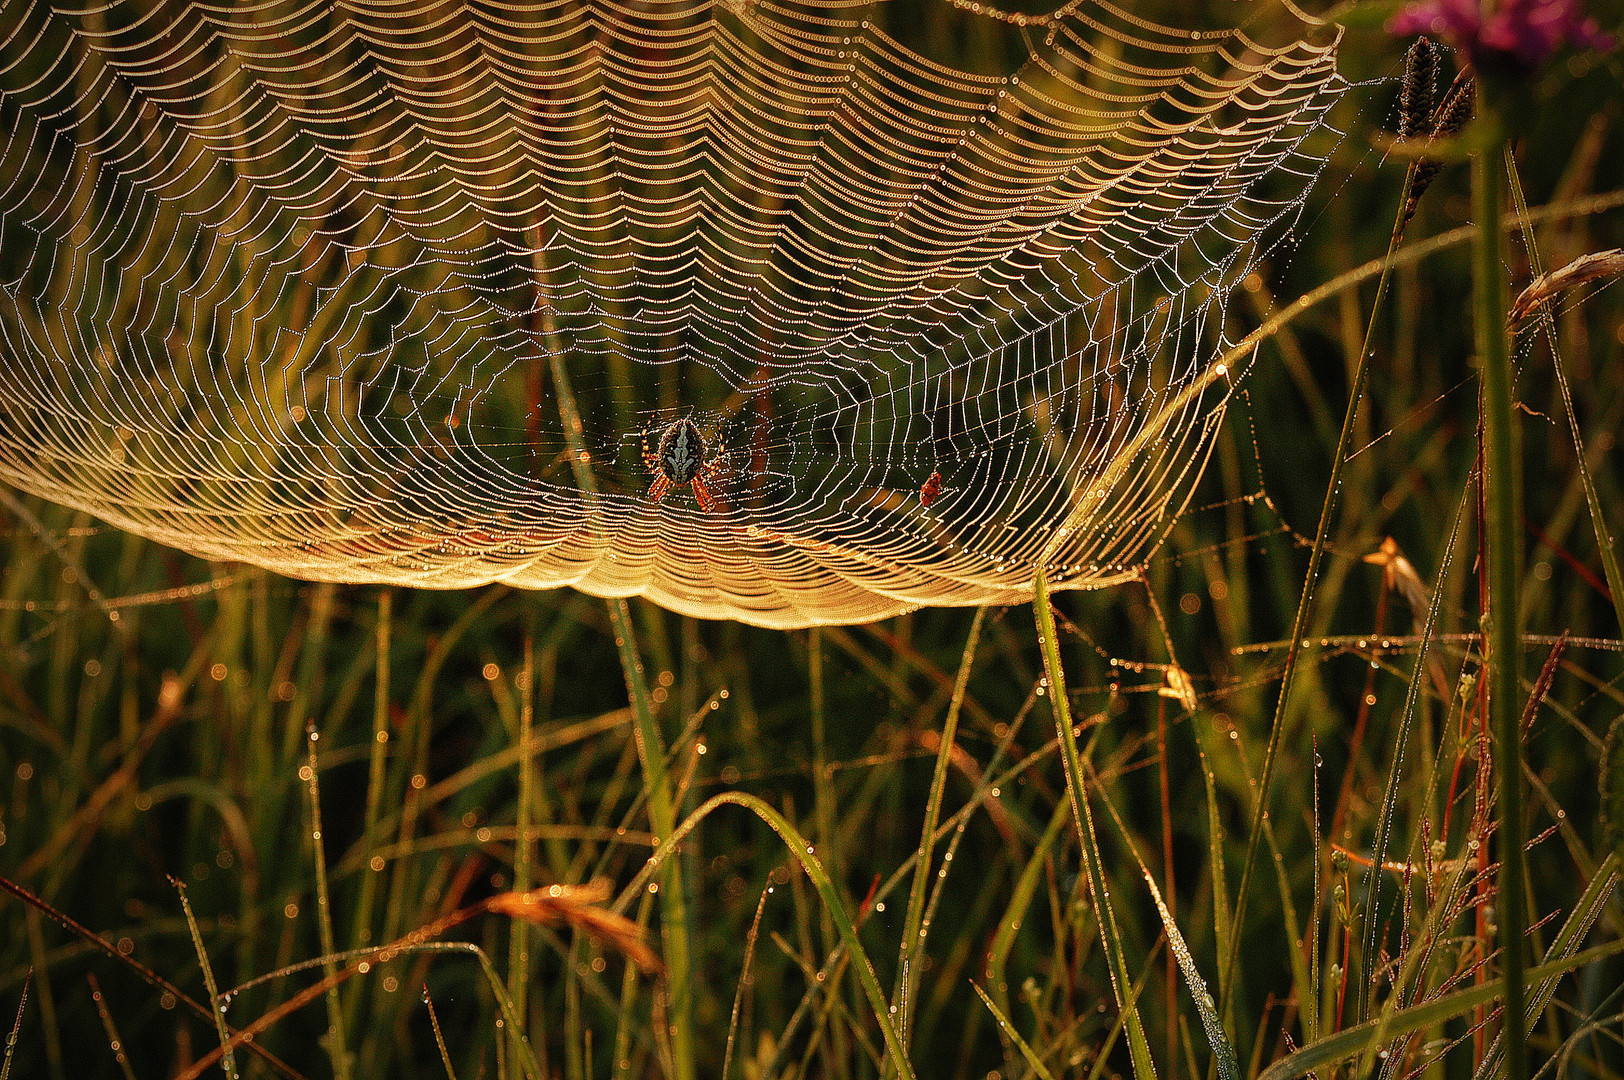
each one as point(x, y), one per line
point(682, 451)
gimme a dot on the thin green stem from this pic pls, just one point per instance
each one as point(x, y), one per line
point(376, 779)
point(16, 1027)
point(1305, 607)
point(439, 1037)
point(806, 854)
point(324, 913)
point(1500, 529)
point(228, 1061)
point(523, 846)
point(662, 818)
point(1034, 1062)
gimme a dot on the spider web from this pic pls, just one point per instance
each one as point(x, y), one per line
point(396, 290)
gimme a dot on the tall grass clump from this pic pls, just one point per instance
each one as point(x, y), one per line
point(1332, 791)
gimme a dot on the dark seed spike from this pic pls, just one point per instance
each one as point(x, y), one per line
point(1451, 116)
point(1416, 91)
point(1457, 106)
point(1426, 171)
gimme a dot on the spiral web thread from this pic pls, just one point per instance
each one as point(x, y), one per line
point(399, 291)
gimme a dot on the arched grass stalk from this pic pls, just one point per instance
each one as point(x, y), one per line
point(896, 1054)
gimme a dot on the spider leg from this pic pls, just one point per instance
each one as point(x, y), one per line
point(707, 502)
point(658, 489)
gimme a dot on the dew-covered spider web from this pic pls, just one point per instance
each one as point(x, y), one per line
point(400, 291)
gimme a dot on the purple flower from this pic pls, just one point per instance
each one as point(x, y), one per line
point(1521, 33)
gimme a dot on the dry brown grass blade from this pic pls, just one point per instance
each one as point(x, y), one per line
point(1584, 269)
point(580, 907)
point(1542, 685)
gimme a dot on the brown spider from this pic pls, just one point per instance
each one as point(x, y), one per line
point(681, 456)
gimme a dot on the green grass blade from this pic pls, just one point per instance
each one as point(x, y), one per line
point(1008, 1028)
point(914, 926)
point(439, 1037)
point(324, 909)
point(1138, 1047)
point(114, 1042)
point(1202, 724)
point(662, 818)
point(744, 981)
point(1222, 1050)
point(1020, 899)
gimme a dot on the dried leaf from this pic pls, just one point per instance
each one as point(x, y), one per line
point(1586, 268)
point(580, 907)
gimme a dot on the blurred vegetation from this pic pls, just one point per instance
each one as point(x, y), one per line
point(154, 711)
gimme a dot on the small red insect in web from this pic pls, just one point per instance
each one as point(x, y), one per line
point(930, 488)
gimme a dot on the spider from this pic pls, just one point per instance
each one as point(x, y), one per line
point(682, 456)
point(930, 488)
